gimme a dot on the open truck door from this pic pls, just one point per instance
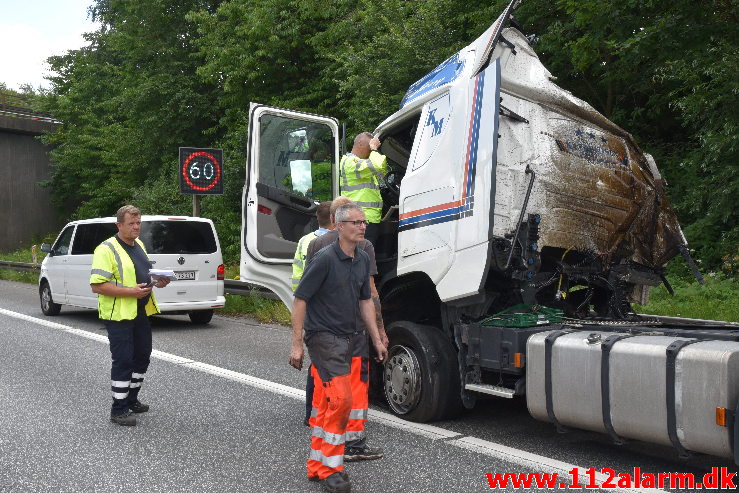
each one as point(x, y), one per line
point(292, 166)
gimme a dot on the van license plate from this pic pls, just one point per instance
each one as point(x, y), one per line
point(183, 276)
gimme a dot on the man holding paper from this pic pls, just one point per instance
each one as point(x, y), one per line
point(120, 277)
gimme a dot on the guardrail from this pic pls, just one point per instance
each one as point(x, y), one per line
point(241, 288)
point(19, 106)
point(20, 266)
point(231, 286)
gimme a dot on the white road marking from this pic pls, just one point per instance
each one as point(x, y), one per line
point(508, 454)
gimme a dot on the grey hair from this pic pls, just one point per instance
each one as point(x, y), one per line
point(364, 135)
point(342, 213)
point(127, 209)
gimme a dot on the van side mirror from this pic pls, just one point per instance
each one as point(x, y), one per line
point(46, 247)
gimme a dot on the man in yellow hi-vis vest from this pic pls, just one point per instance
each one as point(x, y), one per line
point(120, 277)
point(323, 214)
point(361, 171)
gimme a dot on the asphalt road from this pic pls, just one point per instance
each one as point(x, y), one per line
point(226, 416)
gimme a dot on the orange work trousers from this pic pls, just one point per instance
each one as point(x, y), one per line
point(339, 410)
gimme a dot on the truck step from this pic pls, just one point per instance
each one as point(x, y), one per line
point(491, 389)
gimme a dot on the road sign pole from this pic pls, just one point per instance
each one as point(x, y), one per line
point(196, 205)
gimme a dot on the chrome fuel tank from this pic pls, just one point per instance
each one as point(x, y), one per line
point(654, 388)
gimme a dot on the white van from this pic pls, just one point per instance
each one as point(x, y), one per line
point(187, 245)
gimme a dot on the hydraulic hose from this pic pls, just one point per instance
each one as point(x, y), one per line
point(529, 171)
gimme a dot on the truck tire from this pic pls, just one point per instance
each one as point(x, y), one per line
point(48, 307)
point(421, 380)
point(200, 317)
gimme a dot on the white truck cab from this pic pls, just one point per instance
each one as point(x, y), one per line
point(517, 223)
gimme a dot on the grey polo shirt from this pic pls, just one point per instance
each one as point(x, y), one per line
point(332, 285)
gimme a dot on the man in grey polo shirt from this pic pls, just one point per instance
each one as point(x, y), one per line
point(356, 441)
point(332, 296)
point(329, 237)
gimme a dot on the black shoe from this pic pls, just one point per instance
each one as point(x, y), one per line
point(125, 419)
point(337, 483)
point(315, 479)
point(353, 454)
point(137, 407)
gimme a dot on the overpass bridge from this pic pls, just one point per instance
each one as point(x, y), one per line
point(25, 207)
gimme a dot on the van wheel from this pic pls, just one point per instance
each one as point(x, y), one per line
point(421, 379)
point(200, 317)
point(48, 307)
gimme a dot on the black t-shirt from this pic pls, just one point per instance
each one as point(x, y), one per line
point(332, 284)
point(141, 264)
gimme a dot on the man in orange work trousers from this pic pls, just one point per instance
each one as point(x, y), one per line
point(333, 294)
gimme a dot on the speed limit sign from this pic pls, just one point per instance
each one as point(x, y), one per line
point(201, 171)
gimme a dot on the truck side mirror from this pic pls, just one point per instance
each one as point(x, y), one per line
point(46, 247)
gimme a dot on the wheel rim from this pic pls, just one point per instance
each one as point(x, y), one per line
point(402, 379)
point(46, 298)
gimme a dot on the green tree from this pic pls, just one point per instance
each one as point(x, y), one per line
point(127, 102)
point(167, 73)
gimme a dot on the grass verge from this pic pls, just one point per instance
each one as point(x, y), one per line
point(14, 275)
point(263, 309)
point(717, 299)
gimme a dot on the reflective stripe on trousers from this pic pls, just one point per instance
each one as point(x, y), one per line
point(333, 402)
point(360, 389)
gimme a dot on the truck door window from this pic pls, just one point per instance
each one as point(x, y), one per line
point(296, 156)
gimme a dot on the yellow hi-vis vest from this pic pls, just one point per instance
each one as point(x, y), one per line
point(360, 180)
point(111, 263)
point(299, 261)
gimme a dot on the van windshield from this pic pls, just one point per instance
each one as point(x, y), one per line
point(178, 237)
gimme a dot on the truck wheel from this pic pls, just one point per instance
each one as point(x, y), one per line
point(48, 307)
point(421, 379)
point(200, 317)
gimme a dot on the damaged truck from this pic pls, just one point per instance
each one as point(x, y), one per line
point(519, 226)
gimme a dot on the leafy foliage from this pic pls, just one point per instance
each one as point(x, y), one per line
point(127, 102)
point(168, 73)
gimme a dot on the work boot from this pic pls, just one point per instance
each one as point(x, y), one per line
point(138, 407)
point(315, 479)
point(353, 454)
point(337, 483)
point(125, 419)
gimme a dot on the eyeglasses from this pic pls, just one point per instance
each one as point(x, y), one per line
point(358, 222)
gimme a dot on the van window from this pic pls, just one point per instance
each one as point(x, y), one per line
point(61, 247)
point(89, 236)
point(178, 237)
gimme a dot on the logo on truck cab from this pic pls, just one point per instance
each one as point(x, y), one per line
point(431, 120)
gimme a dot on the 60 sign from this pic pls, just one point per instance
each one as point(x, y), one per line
point(201, 171)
